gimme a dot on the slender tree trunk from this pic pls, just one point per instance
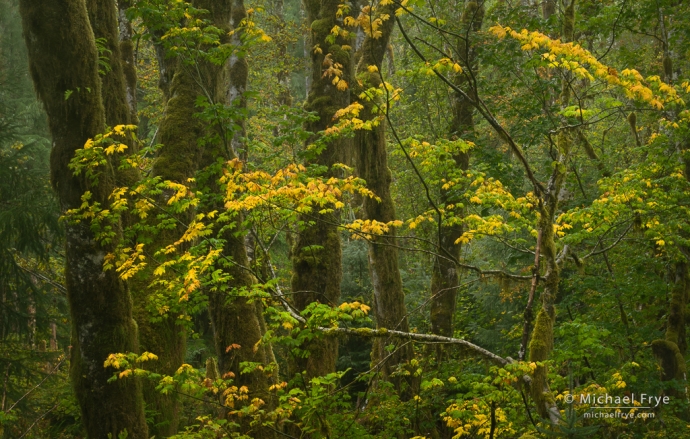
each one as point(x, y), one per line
point(129, 67)
point(444, 279)
point(177, 161)
point(670, 351)
point(283, 76)
point(235, 319)
point(63, 57)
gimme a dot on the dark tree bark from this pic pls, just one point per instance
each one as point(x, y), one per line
point(63, 57)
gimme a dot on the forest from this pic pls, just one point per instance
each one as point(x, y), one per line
point(422, 219)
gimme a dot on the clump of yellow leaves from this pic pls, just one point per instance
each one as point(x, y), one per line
point(246, 191)
point(582, 63)
point(367, 229)
point(353, 306)
point(473, 418)
point(128, 362)
point(370, 21)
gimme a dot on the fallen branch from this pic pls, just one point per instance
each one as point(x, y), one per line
point(383, 332)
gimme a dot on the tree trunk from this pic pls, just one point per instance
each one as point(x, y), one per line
point(444, 278)
point(671, 349)
point(372, 165)
point(235, 319)
point(548, 8)
point(177, 161)
point(316, 256)
point(541, 343)
point(283, 76)
point(63, 57)
point(103, 15)
point(129, 67)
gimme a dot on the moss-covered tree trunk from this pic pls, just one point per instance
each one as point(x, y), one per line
point(178, 160)
point(444, 278)
point(371, 161)
point(63, 57)
point(541, 342)
point(283, 75)
point(671, 349)
point(316, 259)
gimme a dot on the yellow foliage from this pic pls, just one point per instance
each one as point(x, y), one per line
point(582, 63)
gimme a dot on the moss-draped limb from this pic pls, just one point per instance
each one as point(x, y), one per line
point(63, 58)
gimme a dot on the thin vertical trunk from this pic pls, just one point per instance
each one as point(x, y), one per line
point(283, 76)
point(129, 68)
point(670, 351)
point(372, 165)
point(177, 161)
point(62, 57)
point(444, 279)
point(316, 255)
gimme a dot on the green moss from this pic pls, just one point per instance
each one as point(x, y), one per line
point(321, 28)
point(672, 361)
point(542, 337)
point(179, 131)
point(668, 68)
